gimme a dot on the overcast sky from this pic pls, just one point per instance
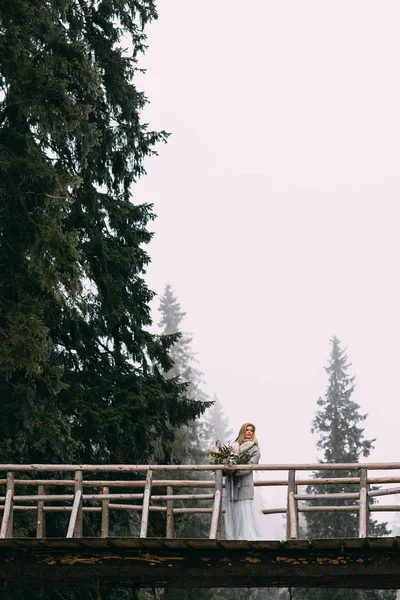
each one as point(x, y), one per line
point(278, 203)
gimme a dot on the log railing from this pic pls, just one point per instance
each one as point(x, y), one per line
point(83, 492)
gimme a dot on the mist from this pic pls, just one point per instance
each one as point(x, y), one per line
point(277, 198)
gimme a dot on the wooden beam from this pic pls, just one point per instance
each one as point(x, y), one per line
point(217, 505)
point(40, 525)
point(78, 531)
point(291, 522)
point(105, 517)
point(74, 515)
point(7, 521)
point(364, 507)
point(146, 503)
point(170, 524)
point(191, 564)
point(196, 468)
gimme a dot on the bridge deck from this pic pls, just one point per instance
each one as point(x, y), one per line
point(371, 563)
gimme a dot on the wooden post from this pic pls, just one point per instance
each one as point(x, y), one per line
point(41, 525)
point(105, 514)
point(219, 528)
point(364, 504)
point(146, 504)
point(7, 521)
point(217, 505)
point(170, 528)
point(78, 530)
point(74, 515)
point(292, 529)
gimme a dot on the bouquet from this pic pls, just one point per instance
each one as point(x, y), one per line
point(224, 454)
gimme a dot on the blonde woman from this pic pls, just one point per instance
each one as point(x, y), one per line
point(243, 517)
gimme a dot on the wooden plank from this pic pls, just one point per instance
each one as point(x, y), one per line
point(192, 564)
point(363, 512)
point(297, 544)
point(44, 482)
point(291, 517)
point(385, 492)
point(175, 544)
point(202, 543)
point(146, 504)
point(137, 507)
point(354, 543)
point(217, 505)
point(293, 525)
point(383, 542)
point(105, 514)
point(7, 521)
point(181, 497)
point(342, 496)
point(234, 544)
point(78, 531)
point(40, 524)
point(74, 515)
point(170, 525)
point(42, 497)
point(384, 507)
point(354, 508)
point(326, 544)
point(144, 468)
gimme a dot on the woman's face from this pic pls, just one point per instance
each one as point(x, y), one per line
point(249, 432)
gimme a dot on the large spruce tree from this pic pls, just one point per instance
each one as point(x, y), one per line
point(338, 423)
point(81, 376)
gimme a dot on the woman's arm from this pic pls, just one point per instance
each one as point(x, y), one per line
point(254, 460)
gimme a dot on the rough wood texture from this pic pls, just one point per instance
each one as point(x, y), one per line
point(105, 517)
point(78, 488)
point(145, 468)
point(72, 527)
point(40, 525)
point(7, 521)
point(202, 563)
point(291, 523)
point(364, 506)
point(146, 504)
point(170, 526)
point(217, 505)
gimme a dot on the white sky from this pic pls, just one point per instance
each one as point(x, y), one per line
point(278, 203)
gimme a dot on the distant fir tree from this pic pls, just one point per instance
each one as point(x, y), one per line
point(81, 377)
point(190, 444)
point(216, 424)
point(338, 422)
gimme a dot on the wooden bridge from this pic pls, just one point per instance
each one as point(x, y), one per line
point(104, 560)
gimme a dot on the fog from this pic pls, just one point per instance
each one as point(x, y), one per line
point(277, 198)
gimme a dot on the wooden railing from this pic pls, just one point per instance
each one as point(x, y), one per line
point(86, 493)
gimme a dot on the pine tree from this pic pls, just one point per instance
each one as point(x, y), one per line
point(190, 442)
point(338, 422)
point(80, 374)
point(216, 424)
point(81, 377)
point(189, 447)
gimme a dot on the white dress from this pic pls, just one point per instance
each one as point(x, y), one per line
point(244, 519)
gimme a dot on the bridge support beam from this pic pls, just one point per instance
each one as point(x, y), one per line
point(92, 562)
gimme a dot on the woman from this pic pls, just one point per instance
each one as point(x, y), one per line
point(244, 519)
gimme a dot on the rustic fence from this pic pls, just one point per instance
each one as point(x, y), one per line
point(85, 493)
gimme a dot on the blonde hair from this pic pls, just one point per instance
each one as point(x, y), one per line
point(242, 433)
